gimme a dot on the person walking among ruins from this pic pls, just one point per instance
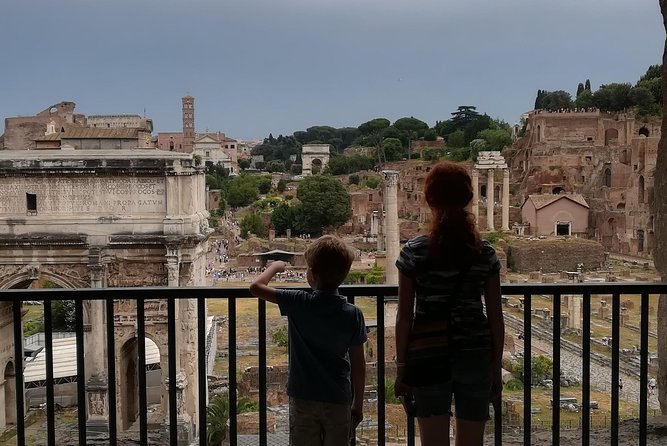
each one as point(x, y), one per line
point(327, 367)
point(442, 276)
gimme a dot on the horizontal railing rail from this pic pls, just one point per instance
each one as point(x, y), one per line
point(381, 293)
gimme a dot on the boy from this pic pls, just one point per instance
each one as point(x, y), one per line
point(323, 328)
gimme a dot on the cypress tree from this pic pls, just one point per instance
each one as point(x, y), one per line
point(588, 85)
point(580, 89)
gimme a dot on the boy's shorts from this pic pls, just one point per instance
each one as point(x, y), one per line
point(470, 385)
point(314, 423)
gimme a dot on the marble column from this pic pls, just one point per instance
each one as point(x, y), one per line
point(475, 194)
point(490, 199)
point(95, 345)
point(391, 224)
point(506, 200)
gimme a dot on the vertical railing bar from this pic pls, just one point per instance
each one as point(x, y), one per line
point(202, 367)
point(261, 307)
point(141, 369)
point(50, 403)
point(18, 372)
point(555, 409)
point(643, 367)
point(411, 431)
point(171, 336)
point(527, 372)
point(586, 371)
point(498, 421)
point(111, 368)
point(353, 441)
point(232, 371)
point(80, 371)
point(615, 375)
point(382, 397)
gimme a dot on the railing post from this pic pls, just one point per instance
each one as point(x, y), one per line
point(262, 371)
point(643, 375)
point(232, 371)
point(586, 371)
point(555, 409)
point(80, 370)
point(141, 370)
point(18, 372)
point(50, 403)
point(527, 367)
point(202, 368)
point(382, 397)
point(111, 371)
point(615, 359)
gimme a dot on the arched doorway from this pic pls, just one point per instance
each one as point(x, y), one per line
point(316, 166)
point(497, 192)
point(129, 384)
point(640, 240)
point(482, 191)
point(644, 132)
point(610, 136)
point(607, 177)
point(539, 133)
point(557, 190)
point(9, 396)
point(128, 380)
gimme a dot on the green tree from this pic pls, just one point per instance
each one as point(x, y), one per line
point(253, 223)
point(580, 89)
point(373, 132)
point(242, 191)
point(244, 163)
point(588, 85)
point(464, 115)
point(476, 146)
point(353, 179)
point(393, 149)
point(324, 203)
point(584, 100)
point(63, 315)
point(275, 166)
point(554, 100)
point(456, 139)
point(264, 185)
point(613, 97)
point(496, 139)
point(282, 218)
point(344, 164)
point(430, 135)
point(282, 184)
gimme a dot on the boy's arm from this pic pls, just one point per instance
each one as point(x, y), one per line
point(358, 375)
point(259, 286)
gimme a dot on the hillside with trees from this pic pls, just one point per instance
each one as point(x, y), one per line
point(645, 96)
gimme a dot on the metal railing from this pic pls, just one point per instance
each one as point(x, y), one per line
point(379, 292)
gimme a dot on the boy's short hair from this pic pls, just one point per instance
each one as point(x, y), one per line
point(330, 259)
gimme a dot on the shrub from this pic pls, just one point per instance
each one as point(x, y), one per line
point(279, 336)
point(514, 384)
point(354, 179)
point(372, 182)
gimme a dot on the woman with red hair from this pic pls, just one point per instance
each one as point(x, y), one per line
point(442, 277)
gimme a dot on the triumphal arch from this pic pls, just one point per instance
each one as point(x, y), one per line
point(106, 218)
point(314, 158)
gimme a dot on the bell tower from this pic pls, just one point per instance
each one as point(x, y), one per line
point(188, 123)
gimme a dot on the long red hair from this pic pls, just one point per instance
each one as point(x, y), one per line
point(453, 237)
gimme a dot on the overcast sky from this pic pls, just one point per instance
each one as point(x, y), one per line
point(260, 66)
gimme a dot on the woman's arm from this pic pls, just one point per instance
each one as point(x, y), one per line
point(404, 316)
point(494, 313)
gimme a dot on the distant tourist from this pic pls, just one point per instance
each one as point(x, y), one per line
point(327, 367)
point(651, 386)
point(445, 273)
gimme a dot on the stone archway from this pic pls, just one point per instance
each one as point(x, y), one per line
point(557, 190)
point(312, 152)
point(8, 395)
point(316, 166)
point(644, 132)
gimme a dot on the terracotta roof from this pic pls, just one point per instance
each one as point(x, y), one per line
point(543, 200)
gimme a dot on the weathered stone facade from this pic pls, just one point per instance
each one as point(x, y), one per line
point(109, 218)
point(608, 158)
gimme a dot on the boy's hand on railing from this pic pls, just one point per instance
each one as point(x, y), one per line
point(278, 266)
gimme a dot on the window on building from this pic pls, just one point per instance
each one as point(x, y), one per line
point(207, 154)
point(370, 197)
point(171, 145)
point(232, 146)
point(31, 203)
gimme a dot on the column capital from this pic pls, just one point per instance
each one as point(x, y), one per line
point(390, 177)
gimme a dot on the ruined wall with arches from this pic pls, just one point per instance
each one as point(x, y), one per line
point(315, 157)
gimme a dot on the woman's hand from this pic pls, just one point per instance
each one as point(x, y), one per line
point(400, 388)
point(496, 384)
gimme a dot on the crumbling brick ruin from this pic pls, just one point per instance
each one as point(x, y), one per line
point(608, 158)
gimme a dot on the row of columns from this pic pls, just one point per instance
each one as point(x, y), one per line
point(490, 198)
